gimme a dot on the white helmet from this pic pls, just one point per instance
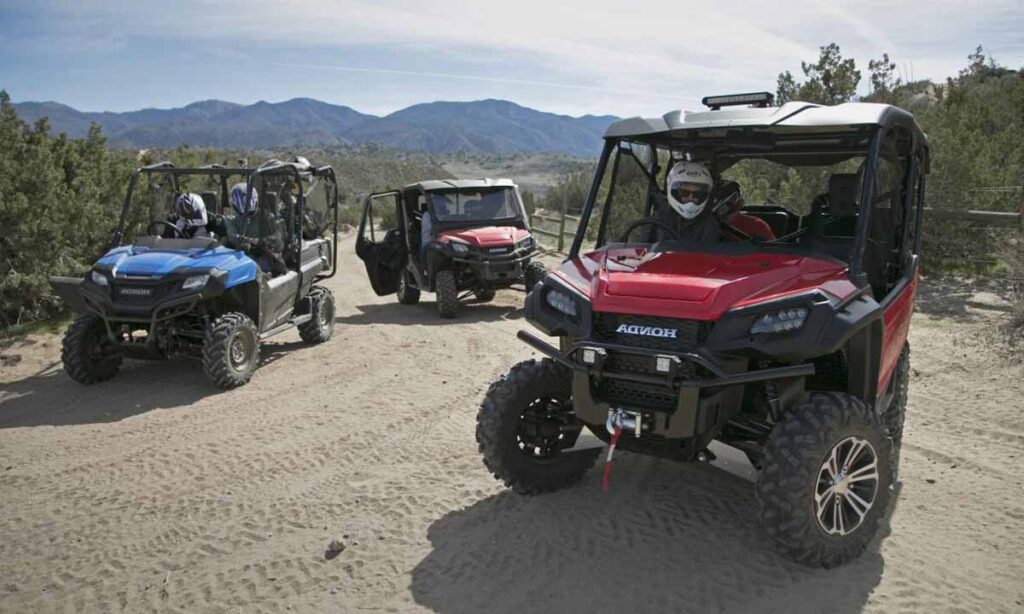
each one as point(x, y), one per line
point(689, 187)
point(301, 162)
point(191, 209)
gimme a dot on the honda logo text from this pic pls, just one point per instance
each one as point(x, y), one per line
point(647, 331)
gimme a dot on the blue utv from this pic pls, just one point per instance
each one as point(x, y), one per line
point(206, 263)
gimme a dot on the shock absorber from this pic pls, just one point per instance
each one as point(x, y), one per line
point(772, 394)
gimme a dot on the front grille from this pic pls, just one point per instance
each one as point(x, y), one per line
point(689, 333)
point(136, 294)
point(620, 362)
point(502, 267)
point(635, 394)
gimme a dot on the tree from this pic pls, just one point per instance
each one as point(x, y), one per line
point(831, 80)
point(883, 76)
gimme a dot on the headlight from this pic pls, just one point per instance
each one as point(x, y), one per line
point(783, 321)
point(195, 282)
point(459, 248)
point(561, 302)
point(527, 242)
point(99, 279)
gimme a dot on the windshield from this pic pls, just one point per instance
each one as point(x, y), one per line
point(474, 205)
point(806, 191)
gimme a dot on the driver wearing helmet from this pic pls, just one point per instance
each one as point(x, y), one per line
point(247, 224)
point(190, 216)
point(243, 209)
point(688, 188)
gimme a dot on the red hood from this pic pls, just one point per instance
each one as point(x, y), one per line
point(488, 236)
point(695, 285)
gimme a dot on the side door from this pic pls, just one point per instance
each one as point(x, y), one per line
point(379, 242)
point(901, 259)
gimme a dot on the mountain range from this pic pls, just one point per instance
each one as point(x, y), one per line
point(489, 126)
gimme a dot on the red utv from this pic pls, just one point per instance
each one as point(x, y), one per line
point(793, 350)
point(456, 238)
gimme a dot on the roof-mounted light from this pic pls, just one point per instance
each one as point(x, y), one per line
point(757, 99)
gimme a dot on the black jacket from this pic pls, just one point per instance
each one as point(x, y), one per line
point(704, 228)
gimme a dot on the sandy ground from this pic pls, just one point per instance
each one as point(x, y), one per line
point(156, 492)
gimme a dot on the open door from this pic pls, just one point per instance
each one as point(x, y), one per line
point(379, 243)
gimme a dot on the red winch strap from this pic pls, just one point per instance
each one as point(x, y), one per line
point(608, 459)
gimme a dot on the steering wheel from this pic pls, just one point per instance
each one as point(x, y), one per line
point(648, 221)
point(156, 224)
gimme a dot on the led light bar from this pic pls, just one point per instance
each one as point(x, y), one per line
point(757, 99)
point(783, 321)
point(561, 301)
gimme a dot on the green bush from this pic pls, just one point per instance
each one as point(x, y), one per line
point(59, 201)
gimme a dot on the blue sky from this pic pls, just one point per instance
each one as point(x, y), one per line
point(569, 56)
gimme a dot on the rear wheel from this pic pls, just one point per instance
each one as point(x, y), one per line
point(408, 294)
point(484, 295)
point(533, 273)
point(824, 479)
point(896, 413)
point(321, 327)
point(525, 422)
point(88, 354)
point(231, 351)
point(447, 294)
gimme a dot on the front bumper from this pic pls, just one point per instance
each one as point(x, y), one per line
point(497, 268)
point(696, 396)
point(162, 300)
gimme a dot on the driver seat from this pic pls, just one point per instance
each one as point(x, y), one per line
point(834, 214)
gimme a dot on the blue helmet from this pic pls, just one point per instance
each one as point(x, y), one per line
point(238, 200)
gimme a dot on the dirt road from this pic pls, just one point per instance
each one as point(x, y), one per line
point(156, 492)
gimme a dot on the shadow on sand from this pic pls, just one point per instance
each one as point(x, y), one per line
point(425, 314)
point(50, 397)
point(666, 538)
point(955, 298)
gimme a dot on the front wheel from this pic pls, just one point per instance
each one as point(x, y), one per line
point(88, 354)
point(525, 423)
point(533, 273)
point(824, 479)
point(231, 350)
point(408, 294)
point(321, 326)
point(447, 294)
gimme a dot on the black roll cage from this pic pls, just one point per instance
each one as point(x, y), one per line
point(762, 142)
point(250, 174)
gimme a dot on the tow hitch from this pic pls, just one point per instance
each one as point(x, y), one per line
point(618, 421)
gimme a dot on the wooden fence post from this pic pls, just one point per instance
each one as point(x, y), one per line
point(561, 233)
